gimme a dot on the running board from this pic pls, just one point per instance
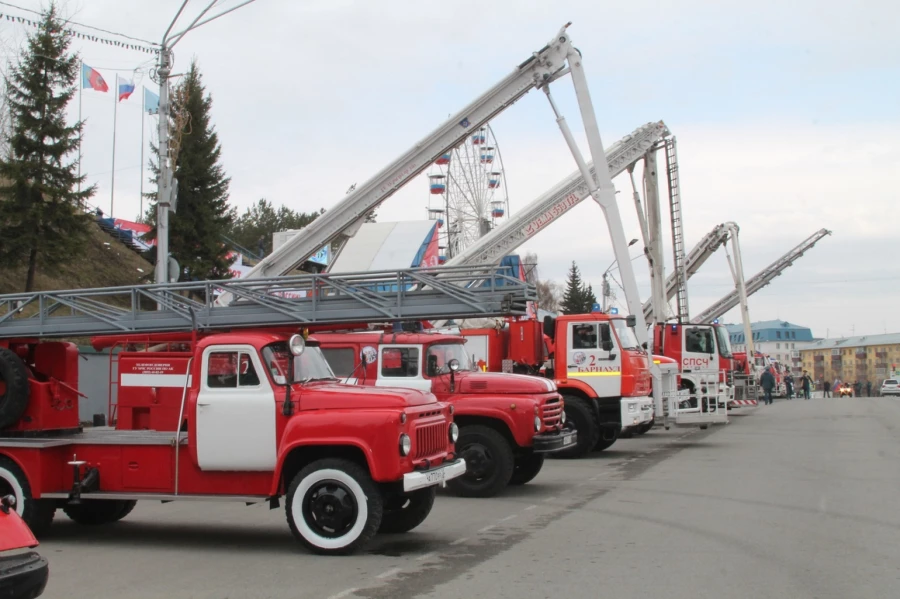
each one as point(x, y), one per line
point(248, 499)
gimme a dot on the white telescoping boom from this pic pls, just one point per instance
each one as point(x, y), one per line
point(347, 215)
point(760, 279)
point(533, 218)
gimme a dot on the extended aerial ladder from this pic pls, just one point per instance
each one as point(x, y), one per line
point(294, 301)
point(760, 279)
point(537, 71)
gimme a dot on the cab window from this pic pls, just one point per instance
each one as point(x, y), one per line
point(400, 361)
point(584, 336)
point(699, 340)
point(341, 359)
point(229, 370)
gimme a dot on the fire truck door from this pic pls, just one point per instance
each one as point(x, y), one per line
point(588, 361)
point(699, 354)
point(401, 366)
point(235, 412)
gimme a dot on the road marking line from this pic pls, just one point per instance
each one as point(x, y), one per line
point(529, 508)
point(460, 541)
point(424, 557)
point(507, 518)
point(344, 593)
point(388, 573)
point(486, 528)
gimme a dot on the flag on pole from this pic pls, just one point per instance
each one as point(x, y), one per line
point(126, 88)
point(151, 102)
point(92, 78)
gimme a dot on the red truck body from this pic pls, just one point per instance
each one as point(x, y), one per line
point(214, 417)
point(507, 421)
point(605, 389)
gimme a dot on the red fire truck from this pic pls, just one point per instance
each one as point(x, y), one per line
point(507, 422)
point(703, 353)
point(252, 414)
point(595, 360)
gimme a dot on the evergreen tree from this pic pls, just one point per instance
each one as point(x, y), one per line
point(573, 297)
point(203, 217)
point(589, 299)
point(262, 219)
point(43, 223)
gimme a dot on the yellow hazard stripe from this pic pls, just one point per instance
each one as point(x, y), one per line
point(616, 373)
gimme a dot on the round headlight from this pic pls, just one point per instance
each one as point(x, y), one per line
point(454, 432)
point(562, 417)
point(537, 423)
point(297, 344)
point(405, 445)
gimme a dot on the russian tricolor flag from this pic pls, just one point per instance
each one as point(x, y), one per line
point(126, 88)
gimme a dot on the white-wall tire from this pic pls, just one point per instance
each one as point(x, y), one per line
point(322, 484)
point(37, 513)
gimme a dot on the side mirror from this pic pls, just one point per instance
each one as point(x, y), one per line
point(631, 320)
point(608, 345)
point(297, 344)
point(606, 341)
point(549, 326)
point(7, 502)
point(431, 369)
point(644, 345)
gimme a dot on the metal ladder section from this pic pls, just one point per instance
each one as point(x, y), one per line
point(677, 228)
point(760, 279)
point(412, 294)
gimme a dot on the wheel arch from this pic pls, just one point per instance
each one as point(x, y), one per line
point(299, 455)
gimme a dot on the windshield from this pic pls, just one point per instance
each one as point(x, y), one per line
point(724, 342)
point(308, 366)
point(440, 354)
point(626, 335)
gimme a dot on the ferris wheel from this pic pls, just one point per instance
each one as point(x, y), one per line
point(467, 189)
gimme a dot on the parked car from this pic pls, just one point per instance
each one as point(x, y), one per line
point(890, 387)
point(846, 390)
point(23, 572)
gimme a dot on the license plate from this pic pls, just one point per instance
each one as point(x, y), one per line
point(568, 440)
point(436, 476)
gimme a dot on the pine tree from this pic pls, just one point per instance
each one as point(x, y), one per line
point(573, 298)
point(43, 223)
point(262, 219)
point(203, 217)
point(589, 300)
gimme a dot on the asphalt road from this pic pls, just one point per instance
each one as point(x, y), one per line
point(795, 500)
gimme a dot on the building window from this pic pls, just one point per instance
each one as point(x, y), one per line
point(778, 345)
point(778, 334)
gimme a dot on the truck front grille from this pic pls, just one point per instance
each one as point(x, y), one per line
point(431, 439)
point(551, 412)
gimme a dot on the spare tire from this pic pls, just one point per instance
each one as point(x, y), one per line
point(14, 399)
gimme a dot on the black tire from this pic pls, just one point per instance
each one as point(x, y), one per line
point(94, 512)
point(37, 513)
point(404, 513)
point(14, 399)
point(341, 483)
point(605, 443)
point(526, 468)
point(489, 462)
point(580, 416)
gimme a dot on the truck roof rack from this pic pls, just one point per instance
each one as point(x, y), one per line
point(420, 294)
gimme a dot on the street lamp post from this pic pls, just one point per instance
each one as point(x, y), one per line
point(166, 188)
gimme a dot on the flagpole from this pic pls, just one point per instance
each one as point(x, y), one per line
point(143, 111)
point(112, 190)
point(81, 140)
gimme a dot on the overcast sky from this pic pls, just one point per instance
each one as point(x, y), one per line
point(786, 115)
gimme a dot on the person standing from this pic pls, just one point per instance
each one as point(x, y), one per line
point(857, 388)
point(868, 388)
point(827, 389)
point(806, 383)
point(767, 382)
point(789, 386)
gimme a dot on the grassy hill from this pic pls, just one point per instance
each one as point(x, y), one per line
point(105, 262)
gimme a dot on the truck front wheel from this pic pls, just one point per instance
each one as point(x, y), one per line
point(527, 467)
point(93, 512)
point(333, 507)
point(405, 512)
point(489, 462)
point(581, 417)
